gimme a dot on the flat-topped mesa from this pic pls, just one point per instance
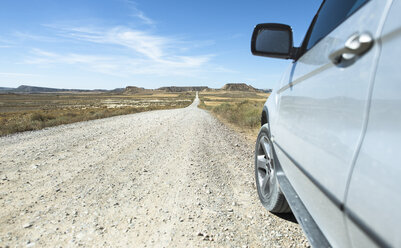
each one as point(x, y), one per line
point(183, 88)
point(239, 87)
point(133, 90)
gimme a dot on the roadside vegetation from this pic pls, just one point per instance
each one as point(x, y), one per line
point(25, 112)
point(241, 110)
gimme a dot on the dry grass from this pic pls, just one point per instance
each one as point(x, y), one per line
point(241, 110)
point(24, 112)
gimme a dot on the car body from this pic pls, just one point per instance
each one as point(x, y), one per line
point(332, 126)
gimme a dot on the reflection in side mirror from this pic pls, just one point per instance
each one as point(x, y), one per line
point(272, 40)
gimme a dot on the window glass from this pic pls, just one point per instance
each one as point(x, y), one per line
point(332, 13)
point(357, 4)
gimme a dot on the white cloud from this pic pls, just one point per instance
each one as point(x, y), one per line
point(120, 50)
point(5, 43)
point(147, 53)
point(143, 17)
point(119, 65)
point(28, 36)
point(11, 74)
point(136, 13)
point(151, 46)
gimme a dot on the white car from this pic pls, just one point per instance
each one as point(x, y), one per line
point(330, 144)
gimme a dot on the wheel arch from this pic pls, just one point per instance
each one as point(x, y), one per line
point(265, 116)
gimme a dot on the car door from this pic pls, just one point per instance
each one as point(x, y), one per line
point(323, 107)
point(374, 195)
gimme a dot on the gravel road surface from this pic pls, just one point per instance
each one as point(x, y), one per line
point(171, 178)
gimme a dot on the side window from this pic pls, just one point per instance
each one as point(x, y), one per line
point(331, 14)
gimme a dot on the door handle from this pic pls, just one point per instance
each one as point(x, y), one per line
point(356, 45)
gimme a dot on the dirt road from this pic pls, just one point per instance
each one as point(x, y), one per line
point(172, 178)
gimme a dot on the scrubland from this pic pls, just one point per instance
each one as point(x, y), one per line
point(239, 109)
point(25, 112)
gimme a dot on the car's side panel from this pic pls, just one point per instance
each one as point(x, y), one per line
point(375, 190)
point(327, 215)
point(320, 123)
point(273, 101)
point(315, 236)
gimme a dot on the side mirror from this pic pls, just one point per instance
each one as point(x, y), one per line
point(272, 40)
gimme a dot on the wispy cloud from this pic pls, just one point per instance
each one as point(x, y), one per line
point(139, 14)
point(147, 53)
point(118, 65)
point(6, 43)
point(120, 50)
point(151, 46)
point(136, 13)
point(18, 75)
point(29, 36)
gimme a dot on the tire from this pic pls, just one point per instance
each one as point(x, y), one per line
point(267, 185)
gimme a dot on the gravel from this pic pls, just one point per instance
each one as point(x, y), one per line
point(171, 178)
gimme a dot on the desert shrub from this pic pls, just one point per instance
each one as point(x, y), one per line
point(202, 105)
point(70, 114)
point(244, 114)
point(41, 117)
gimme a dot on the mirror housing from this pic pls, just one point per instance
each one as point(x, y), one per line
point(273, 40)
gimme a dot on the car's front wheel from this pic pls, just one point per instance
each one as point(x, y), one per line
point(265, 174)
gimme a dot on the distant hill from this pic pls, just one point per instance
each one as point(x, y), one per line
point(239, 87)
point(226, 87)
point(182, 89)
point(266, 90)
point(133, 90)
point(35, 89)
point(27, 89)
point(6, 89)
point(210, 90)
point(118, 90)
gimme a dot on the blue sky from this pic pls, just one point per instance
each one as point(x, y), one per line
point(109, 44)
